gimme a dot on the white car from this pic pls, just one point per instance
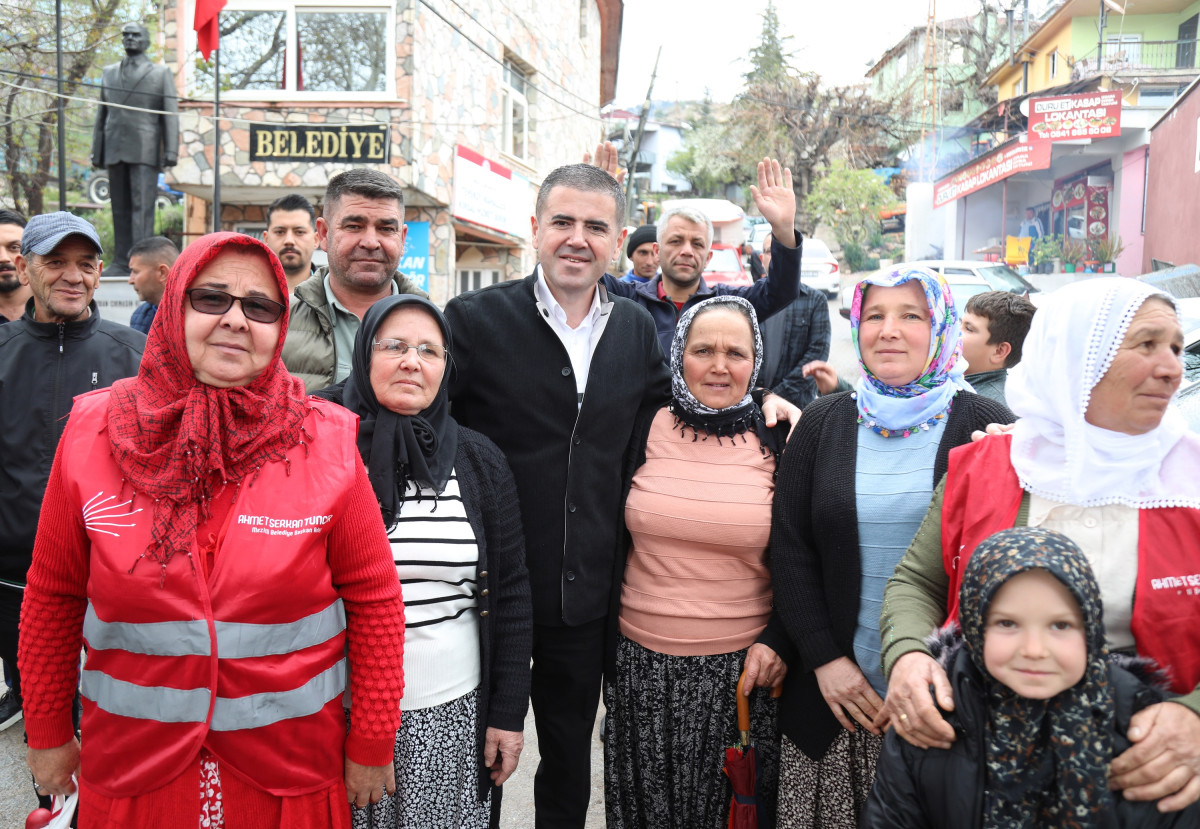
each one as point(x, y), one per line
point(818, 267)
point(966, 278)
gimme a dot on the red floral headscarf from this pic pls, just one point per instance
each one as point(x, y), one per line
point(178, 440)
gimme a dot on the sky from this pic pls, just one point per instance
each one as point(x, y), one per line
point(704, 42)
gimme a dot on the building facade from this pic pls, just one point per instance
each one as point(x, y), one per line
point(466, 104)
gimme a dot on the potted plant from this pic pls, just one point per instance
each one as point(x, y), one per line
point(1073, 253)
point(1046, 249)
point(1105, 250)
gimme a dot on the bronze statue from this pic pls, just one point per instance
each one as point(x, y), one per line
point(134, 144)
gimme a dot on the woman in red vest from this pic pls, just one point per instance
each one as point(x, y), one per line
point(1100, 455)
point(210, 534)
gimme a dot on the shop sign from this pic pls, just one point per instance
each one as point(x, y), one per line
point(415, 263)
point(1001, 163)
point(320, 143)
point(1087, 115)
point(490, 194)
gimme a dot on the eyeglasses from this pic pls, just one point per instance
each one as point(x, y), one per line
point(428, 352)
point(255, 308)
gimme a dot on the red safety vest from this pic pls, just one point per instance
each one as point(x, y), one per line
point(250, 663)
point(982, 497)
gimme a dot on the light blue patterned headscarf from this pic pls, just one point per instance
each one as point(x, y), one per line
point(900, 409)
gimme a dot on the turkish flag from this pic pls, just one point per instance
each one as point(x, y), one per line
point(208, 33)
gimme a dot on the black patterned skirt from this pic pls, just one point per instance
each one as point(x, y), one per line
point(437, 773)
point(669, 721)
point(829, 793)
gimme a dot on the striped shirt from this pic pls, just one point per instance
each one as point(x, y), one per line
point(436, 557)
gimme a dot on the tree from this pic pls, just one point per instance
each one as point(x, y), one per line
point(768, 60)
point(29, 119)
point(849, 201)
point(984, 43)
point(707, 160)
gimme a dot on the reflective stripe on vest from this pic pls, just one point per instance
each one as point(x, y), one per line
point(235, 640)
point(259, 710)
point(125, 699)
point(229, 714)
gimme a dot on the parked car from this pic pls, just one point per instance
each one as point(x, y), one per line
point(757, 234)
point(966, 279)
point(819, 268)
point(726, 267)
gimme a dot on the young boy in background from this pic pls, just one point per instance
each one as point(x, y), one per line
point(994, 326)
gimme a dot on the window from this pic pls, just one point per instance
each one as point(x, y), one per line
point(284, 47)
point(516, 108)
point(472, 279)
point(1124, 49)
point(1019, 88)
point(1054, 64)
point(1157, 96)
point(583, 19)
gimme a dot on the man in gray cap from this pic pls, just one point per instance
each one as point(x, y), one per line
point(58, 349)
point(642, 250)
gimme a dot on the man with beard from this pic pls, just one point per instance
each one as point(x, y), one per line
point(292, 234)
point(150, 261)
point(135, 140)
point(363, 232)
point(13, 295)
point(59, 348)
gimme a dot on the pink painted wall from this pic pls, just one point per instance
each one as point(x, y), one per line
point(1172, 209)
point(1133, 177)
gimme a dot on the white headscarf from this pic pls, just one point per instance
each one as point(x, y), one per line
point(1056, 453)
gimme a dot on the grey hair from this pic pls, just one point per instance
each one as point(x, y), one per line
point(365, 182)
point(585, 177)
point(690, 214)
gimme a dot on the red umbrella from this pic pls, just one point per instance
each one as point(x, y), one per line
point(742, 769)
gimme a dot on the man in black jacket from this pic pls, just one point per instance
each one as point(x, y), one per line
point(554, 370)
point(60, 348)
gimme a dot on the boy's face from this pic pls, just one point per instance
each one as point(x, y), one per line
point(976, 351)
point(1034, 641)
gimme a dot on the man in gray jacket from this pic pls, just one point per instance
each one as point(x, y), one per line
point(363, 232)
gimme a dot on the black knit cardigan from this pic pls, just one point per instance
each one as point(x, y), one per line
point(815, 570)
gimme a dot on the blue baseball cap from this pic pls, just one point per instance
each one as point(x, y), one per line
point(44, 232)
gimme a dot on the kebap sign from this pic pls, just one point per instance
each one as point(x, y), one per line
point(365, 144)
point(1086, 115)
point(997, 165)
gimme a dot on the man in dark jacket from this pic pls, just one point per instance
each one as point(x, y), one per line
point(554, 370)
point(685, 246)
point(60, 348)
point(13, 295)
point(794, 337)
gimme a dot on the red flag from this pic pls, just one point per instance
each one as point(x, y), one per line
point(208, 33)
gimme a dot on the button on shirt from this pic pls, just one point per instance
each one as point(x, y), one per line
point(579, 341)
point(345, 327)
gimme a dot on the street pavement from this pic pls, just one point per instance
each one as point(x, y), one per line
point(16, 793)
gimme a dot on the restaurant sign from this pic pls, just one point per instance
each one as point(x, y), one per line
point(1086, 115)
point(365, 144)
point(997, 165)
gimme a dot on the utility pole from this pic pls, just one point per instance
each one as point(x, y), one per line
point(636, 148)
point(929, 90)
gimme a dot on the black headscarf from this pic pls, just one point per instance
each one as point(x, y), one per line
point(738, 419)
point(397, 448)
point(1047, 760)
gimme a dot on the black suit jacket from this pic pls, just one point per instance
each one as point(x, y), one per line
point(512, 380)
point(126, 136)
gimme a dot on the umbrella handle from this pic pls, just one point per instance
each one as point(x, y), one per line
point(743, 708)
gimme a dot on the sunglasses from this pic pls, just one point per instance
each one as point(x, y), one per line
point(254, 308)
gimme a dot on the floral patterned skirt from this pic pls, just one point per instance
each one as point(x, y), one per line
point(437, 773)
point(829, 793)
point(669, 721)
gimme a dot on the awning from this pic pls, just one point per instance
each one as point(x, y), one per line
point(1012, 157)
point(471, 230)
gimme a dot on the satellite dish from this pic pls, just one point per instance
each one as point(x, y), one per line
point(1024, 107)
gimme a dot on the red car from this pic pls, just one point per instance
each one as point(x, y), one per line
point(726, 268)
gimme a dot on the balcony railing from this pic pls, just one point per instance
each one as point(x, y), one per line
point(1150, 55)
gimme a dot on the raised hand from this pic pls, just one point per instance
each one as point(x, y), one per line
point(776, 200)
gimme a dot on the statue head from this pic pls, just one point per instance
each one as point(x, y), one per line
point(135, 38)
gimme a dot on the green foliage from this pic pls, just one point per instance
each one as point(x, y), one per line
point(857, 259)
point(1045, 249)
point(849, 201)
point(707, 160)
point(168, 221)
point(101, 219)
point(768, 60)
point(1106, 248)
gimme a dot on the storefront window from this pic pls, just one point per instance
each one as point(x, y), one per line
point(292, 48)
